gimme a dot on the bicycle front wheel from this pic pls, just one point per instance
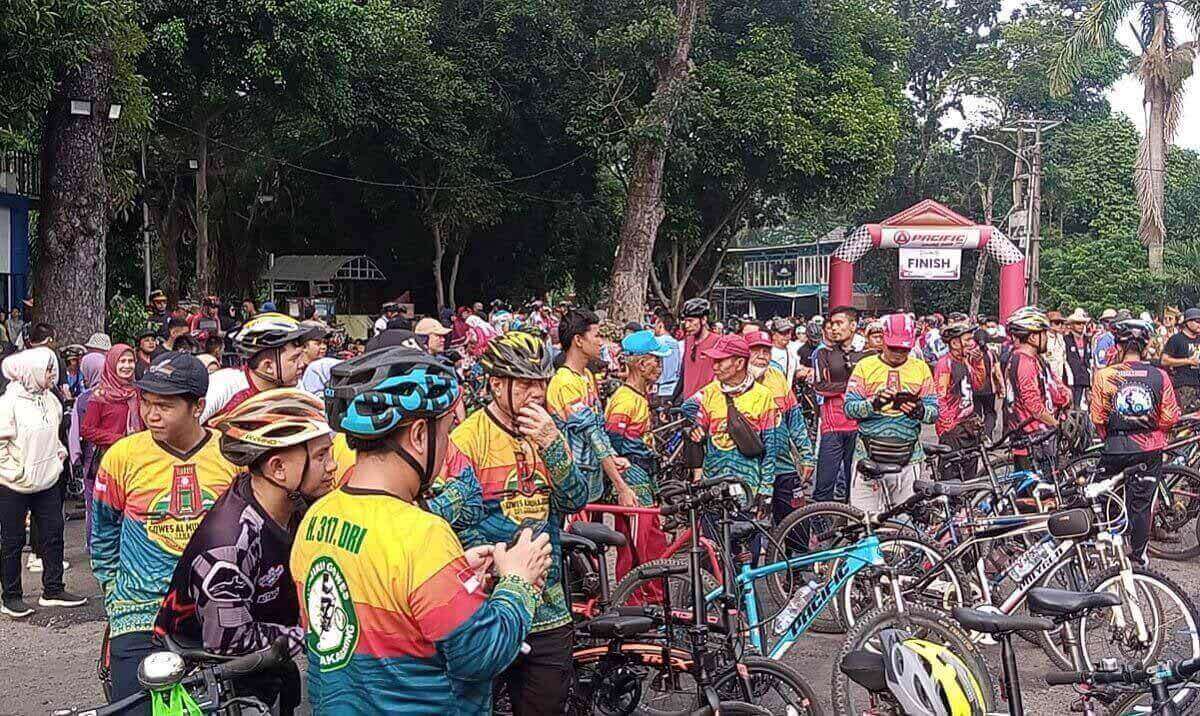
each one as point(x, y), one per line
point(911, 558)
point(1168, 619)
point(1174, 533)
point(849, 699)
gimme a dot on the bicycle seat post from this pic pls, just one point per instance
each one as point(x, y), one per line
point(1012, 679)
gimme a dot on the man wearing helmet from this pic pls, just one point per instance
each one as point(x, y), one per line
point(232, 592)
point(1133, 406)
point(272, 345)
point(396, 615)
point(696, 369)
point(957, 375)
point(527, 474)
point(1033, 394)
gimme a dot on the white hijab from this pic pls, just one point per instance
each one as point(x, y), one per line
point(28, 369)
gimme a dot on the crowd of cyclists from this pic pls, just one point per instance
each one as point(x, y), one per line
point(397, 514)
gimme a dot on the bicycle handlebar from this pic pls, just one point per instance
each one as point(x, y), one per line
point(1171, 672)
point(264, 660)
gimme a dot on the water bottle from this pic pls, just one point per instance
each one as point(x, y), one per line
point(794, 606)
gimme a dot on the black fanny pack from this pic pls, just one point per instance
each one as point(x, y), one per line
point(888, 451)
point(744, 436)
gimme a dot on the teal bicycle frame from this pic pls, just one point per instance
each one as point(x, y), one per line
point(851, 560)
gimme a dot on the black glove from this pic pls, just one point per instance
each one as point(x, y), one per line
point(878, 402)
point(918, 411)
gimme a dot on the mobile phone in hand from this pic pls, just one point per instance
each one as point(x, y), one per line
point(903, 397)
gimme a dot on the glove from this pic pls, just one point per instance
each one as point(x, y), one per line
point(917, 412)
point(878, 402)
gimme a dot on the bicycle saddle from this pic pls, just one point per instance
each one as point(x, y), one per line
point(865, 668)
point(192, 651)
point(1049, 602)
point(742, 529)
point(949, 488)
point(571, 542)
point(936, 448)
point(986, 622)
point(598, 533)
point(612, 626)
point(874, 470)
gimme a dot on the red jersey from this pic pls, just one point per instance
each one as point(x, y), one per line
point(957, 380)
point(1133, 406)
point(696, 368)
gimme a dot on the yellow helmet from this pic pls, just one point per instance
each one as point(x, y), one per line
point(517, 354)
point(927, 679)
point(1027, 320)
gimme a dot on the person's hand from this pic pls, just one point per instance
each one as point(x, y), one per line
point(914, 409)
point(480, 559)
point(626, 497)
point(535, 423)
point(528, 559)
point(697, 435)
point(762, 507)
point(804, 372)
point(882, 398)
point(621, 463)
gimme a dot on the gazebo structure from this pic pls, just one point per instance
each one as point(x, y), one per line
point(929, 225)
point(323, 278)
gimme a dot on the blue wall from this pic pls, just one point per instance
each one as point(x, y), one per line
point(18, 249)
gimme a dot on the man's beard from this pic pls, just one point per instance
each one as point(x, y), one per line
point(757, 371)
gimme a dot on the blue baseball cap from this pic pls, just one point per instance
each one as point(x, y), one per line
point(644, 343)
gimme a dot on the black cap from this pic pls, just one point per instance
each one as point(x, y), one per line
point(397, 337)
point(175, 373)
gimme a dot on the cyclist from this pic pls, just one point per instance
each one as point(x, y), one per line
point(527, 473)
point(395, 613)
point(891, 395)
point(696, 370)
point(792, 426)
point(573, 398)
point(152, 490)
point(958, 375)
point(833, 362)
point(1032, 392)
point(1134, 408)
point(231, 591)
point(739, 421)
point(627, 420)
point(271, 343)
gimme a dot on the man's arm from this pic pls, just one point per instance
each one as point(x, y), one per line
point(222, 585)
point(858, 402)
point(1175, 354)
point(108, 512)
point(458, 496)
point(828, 380)
point(1168, 408)
point(1098, 404)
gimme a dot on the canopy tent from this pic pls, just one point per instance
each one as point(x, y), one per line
point(324, 269)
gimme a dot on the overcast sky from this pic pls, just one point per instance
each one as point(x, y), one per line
point(1126, 95)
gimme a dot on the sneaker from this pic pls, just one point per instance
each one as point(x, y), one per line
point(62, 599)
point(34, 563)
point(15, 608)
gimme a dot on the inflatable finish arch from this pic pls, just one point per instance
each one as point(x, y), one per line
point(929, 225)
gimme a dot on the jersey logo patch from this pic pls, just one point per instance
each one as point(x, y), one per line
point(469, 580)
point(332, 624)
point(175, 513)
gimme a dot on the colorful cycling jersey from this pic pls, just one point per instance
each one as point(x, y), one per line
point(232, 591)
point(1032, 389)
point(149, 499)
point(872, 376)
point(518, 482)
point(627, 422)
point(721, 455)
point(343, 456)
point(574, 402)
point(957, 380)
point(1133, 406)
point(792, 425)
point(394, 619)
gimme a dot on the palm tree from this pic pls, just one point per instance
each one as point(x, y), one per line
point(1162, 69)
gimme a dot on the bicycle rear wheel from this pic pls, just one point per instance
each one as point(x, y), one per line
point(912, 556)
point(1174, 533)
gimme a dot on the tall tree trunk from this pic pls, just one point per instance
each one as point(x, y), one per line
point(1150, 174)
point(439, 252)
point(73, 221)
point(453, 280)
point(643, 205)
point(987, 195)
point(204, 277)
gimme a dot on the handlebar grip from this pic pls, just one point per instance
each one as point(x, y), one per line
point(672, 509)
point(1065, 678)
point(1187, 668)
point(268, 658)
point(714, 481)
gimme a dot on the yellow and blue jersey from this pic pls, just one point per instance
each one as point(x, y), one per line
point(149, 499)
point(395, 620)
point(627, 422)
point(792, 424)
point(721, 456)
point(872, 376)
point(518, 481)
point(574, 402)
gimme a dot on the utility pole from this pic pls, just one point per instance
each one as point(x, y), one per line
point(146, 222)
point(1025, 222)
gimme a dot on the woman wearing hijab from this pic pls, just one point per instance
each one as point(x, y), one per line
point(31, 458)
point(112, 411)
point(84, 457)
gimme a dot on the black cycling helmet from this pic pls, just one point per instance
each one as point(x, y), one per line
point(517, 354)
point(695, 308)
point(1133, 331)
point(956, 330)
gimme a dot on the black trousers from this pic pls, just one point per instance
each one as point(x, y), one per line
point(1139, 494)
point(960, 437)
point(985, 408)
point(46, 511)
point(539, 683)
point(1077, 393)
point(125, 654)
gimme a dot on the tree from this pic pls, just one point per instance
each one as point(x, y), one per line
point(1162, 68)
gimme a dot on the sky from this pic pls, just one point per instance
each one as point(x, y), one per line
point(1126, 95)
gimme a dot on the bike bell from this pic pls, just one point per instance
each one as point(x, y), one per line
point(161, 670)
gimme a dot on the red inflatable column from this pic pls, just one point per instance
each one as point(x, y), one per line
point(1012, 288)
point(841, 281)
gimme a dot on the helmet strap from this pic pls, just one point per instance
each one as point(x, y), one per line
point(277, 379)
point(424, 472)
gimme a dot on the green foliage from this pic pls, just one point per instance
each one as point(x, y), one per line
point(126, 318)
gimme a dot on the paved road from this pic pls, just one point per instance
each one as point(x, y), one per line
point(49, 660)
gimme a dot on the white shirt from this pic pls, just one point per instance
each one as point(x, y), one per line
point(316, 375)
point(787, 359)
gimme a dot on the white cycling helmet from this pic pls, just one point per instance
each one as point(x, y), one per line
point(927, 679)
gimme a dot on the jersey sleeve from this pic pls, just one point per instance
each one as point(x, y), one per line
point(1168, 408)
point(858, 401)
point(569, 488)
point(108, 511)
point(458, 495)
point(929, 397)
point(1100, 400)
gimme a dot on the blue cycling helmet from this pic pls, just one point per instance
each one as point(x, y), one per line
point(373, 394)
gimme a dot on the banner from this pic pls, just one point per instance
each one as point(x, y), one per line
point(919, 237)
point(930, 264)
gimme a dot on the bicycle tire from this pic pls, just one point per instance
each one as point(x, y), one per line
point(780, 585)
point(1132, 705)
point(1182, 513)
point(809, 703)
point(623, 592)
point(936, 626)
point(951, 574)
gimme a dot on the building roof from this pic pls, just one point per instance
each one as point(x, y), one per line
point(763, 244)
point(324, 269)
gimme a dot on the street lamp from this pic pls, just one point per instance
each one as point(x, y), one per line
point(81, 107)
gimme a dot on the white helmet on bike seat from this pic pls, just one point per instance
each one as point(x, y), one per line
point(927, 679)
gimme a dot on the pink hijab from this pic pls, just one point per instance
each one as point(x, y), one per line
point(114, 389)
